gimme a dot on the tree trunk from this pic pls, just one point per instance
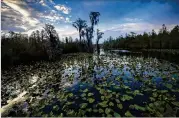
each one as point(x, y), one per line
point(97, 47)
point(80, 36)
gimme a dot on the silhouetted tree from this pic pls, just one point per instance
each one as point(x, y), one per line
point(52, 36)
point(94, 18)
point(89, 36)
point(79, 24)
point(99, 36)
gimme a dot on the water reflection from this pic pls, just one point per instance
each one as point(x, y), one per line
point(120, 74)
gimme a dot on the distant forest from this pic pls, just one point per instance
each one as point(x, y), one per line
point(163, 40)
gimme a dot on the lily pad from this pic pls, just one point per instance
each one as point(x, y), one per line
point(128, 114)
point(126, 98)
point(117, 114)
point(120, 106)
point(90, 94)
point(91, 100)
point(83, 105)
point(137, 107)
point(111, 104)
point(175, 103)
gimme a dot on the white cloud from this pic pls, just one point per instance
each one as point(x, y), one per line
point(42, 2)
point(53, 17)
point(63, 8)
point(67, 31)
point(51, 1)
point(19, 16)
point(132, 19)
point(22, 12)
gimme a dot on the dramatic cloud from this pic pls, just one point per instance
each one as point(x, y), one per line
point(118, 17)
point(20, 16)
point(13, 14)
point(63, 8)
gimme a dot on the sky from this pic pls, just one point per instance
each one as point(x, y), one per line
point(118, 17)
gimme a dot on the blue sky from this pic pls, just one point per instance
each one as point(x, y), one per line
point(118, 17)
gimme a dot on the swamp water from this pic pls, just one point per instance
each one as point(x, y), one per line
point(91, 85)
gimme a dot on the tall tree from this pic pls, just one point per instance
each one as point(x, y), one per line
point(99, 36)
point(52, 36)
point(94, 18)
point(79, 24)
point(89, 36)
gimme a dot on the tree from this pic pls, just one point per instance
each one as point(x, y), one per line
point(94, 18)
point(89, 36)
point(53, 38)
point(79, 24)
point(99, 36)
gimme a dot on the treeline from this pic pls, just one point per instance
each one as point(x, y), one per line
point(18, 48)
point(40, 45)
point(45, 44)
point(163, 40)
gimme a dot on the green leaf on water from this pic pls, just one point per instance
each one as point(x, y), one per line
point(83, 105)
point(137, 107)
point(118, 101)
point(102, 91)
point(107, 111)
point(155, 94)
point(90, 94)
point(83, 95)
point(91, 100)
point(101, 110)
point(126, 97)
point(103, 104)
point(109, 96)
point(102, 97)
point(56, 107)
point(70, 113)
point(152, 99)
point(69, 103)
point(111, 104)
point(164, 91)
point(70, 94)
point(116, 114)
point(120, 106)
point(86, 90)
point(168, 85)
point(128, 114)
point(137, 92)
point(61, 115)
point(95, 110)
point(89, 109)
point(176, 103)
